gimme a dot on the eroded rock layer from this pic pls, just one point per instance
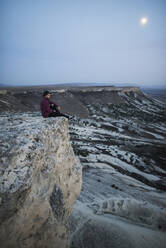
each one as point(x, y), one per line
point(40, 179)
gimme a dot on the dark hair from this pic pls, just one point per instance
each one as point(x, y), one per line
point(45, 93)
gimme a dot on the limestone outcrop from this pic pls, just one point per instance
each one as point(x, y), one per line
point(40, 179)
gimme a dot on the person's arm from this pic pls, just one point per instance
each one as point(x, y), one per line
point(56, 106)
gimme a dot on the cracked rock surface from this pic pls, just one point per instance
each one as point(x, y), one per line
point(40, 179)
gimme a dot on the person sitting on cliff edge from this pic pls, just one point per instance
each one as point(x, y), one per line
point(49, 108)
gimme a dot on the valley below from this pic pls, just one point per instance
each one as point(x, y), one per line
point(119, 136)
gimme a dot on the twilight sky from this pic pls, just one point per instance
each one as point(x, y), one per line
point(64, 41)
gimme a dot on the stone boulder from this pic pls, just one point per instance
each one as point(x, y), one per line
point(40, 179)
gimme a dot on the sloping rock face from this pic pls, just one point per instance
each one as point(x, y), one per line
point(40, 179)
point(72, 100)
point(122, 151)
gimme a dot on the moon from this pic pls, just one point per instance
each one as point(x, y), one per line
point(144, 21)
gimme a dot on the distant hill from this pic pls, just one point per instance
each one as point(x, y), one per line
point(159, 94)
point(73, 100)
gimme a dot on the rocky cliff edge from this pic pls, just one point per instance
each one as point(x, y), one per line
point(40, 179)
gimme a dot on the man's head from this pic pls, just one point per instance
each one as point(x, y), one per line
point(47, 94)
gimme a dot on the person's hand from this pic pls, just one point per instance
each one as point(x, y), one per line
point(58, 108)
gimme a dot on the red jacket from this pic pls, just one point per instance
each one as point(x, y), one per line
point(45, 107)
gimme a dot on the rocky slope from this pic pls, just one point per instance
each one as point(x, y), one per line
point(119, 135)
point(40, 179)
point(122, 151)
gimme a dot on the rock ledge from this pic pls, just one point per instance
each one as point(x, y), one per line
point(40, 179)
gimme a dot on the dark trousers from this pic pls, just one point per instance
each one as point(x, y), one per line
point(57, 113)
